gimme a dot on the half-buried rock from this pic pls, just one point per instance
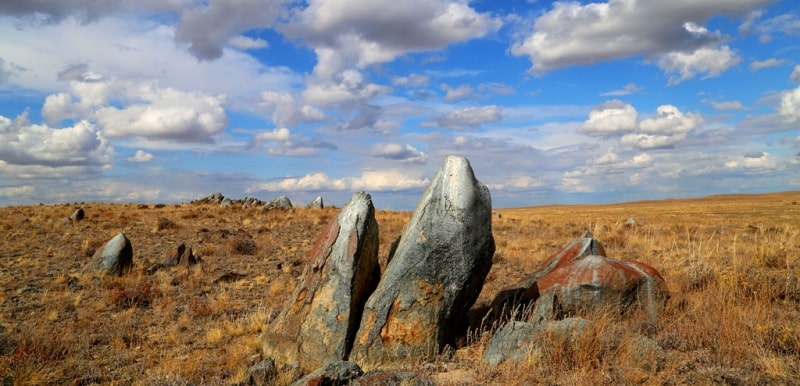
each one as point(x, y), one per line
point(435, 274)
point(320, 321)
point(114, 257)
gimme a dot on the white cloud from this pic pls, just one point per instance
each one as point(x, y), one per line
point(460, 92)
point(607, 158)
point(795, 76)
point(628, 89)
point(572, 33)
point(141, 156)
point(413, 80)
point(15, 192)
point(610, 118)
point(164, 113)
point(752, 162)
point(771, 62)
point(278, 134)
point(669, 127)
point(790, 105)
point(371, 181)
point(247, 43)
point(468, 118)
point(79, 147)
point(355, 33)
point(344, 87)
point(670, 121)
point(706, 60)
point(400, 152)
point(208, 28)
point(518, 183)
point(727, 105)
point(285, 110)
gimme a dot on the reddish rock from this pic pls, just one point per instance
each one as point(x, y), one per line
point(581, 278)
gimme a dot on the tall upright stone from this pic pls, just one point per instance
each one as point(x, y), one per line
point(435, 274)
point(320, 321)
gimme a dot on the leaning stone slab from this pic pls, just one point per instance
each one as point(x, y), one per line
point(320, 321)
point(114, 257)
point(436, 273)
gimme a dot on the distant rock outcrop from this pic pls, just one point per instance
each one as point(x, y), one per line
point(114, 257)
point(435, 274)
point(282, 203)
point(320, 322)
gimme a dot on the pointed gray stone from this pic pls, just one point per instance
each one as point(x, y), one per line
point(316, 204)
point(435, 274)
point(114, 257)
point(321, 319)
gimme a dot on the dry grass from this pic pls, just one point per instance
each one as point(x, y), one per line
point(732, 264)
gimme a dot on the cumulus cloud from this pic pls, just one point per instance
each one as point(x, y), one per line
point(141, 156)
point(468, 118)
point(790, 105)
point(278, 134)
point(229, 19)
point(669, 127)
point(80, 146)
point(280, 142)
point(285, 110)
point(399, 152)
point(752, 162)
point(164, 113)
point(354, 33)
point(771, 62)
point(610, 118)
point(686, 65)
point(373, 181)
point(54, 11)
point(518, 183)
point(572, 33)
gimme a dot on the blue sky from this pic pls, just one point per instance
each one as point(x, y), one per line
point(552, 102)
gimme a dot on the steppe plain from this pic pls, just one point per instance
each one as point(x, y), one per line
point(732, 264)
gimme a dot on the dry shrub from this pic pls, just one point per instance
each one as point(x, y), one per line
point(123, 294)
point(165, 223)
point(242, 245)
point(35, 359)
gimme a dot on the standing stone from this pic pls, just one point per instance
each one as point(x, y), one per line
point(320, 322)
point(114, 257)
point(316, 204)
point(77, 215)
point(436, 273)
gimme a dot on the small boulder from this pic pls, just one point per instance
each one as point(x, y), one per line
point(77, 215)
point(320, 321)
point(282, 203)
point(334, 373)
point(114, 257)
point(261, 374)
point(435, 274)
point(517, 339)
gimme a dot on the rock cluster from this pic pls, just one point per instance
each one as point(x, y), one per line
point(341, 311)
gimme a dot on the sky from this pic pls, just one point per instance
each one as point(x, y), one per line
point(165, 101)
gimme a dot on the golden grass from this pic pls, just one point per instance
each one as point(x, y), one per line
point(732, 264)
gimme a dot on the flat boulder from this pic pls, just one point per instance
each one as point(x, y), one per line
point(281, 202)
point(435, 274)
point(321, 319)
point(516, 340)
point(114, 257)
